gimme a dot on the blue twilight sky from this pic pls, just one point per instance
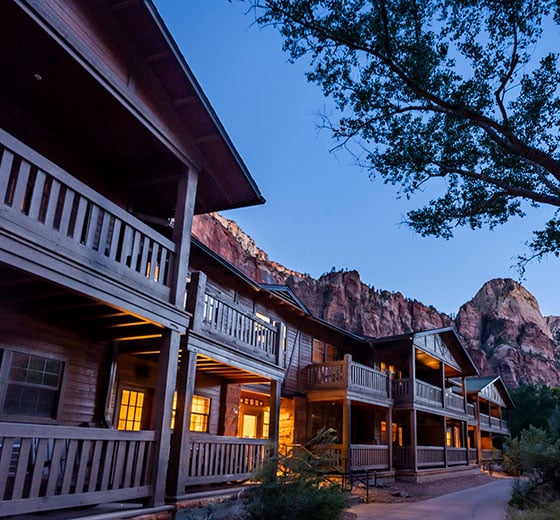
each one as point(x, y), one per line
point(322, 211)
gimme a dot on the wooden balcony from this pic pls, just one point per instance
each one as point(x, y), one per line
point(492, 455)
point(59, 228)
point(351, 377)
point(494, 424)
point(52, 467)
point(237, 328)
point(428, 395)
point(214, 459)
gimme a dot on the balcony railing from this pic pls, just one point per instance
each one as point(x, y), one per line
point(214, 459)
point(245, 329)
point(471, 411)
point(52, 467)
point(66, 216)
point(494, 423)
point(428, 393)
point(349, 375)
point(454, 401)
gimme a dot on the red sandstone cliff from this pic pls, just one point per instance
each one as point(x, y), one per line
point(501, 326)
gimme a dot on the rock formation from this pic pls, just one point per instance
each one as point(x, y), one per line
point(502, 326)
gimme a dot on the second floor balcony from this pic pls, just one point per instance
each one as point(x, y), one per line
point(426, 394)
point(366, 382)
point(57, 227)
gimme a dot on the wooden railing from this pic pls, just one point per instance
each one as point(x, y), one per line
point(429, 393)
point(491, 455)
point(347, 374)
point(494, 423)
point(473, 455)
point(214, 459)
point(50, 467)
point(402, 456)
point(69, 217)
point(456, 456)
point(471, 410)
point(454, 401)
point(367, 456)
point(242, 327)
point(430, 456)
point(401, 389)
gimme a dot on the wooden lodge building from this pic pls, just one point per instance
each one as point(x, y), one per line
point(136, 365)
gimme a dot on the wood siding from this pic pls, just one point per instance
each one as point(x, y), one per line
point(85, 363)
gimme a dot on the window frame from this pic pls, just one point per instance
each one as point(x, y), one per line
point(207, 414)
point(6, 356)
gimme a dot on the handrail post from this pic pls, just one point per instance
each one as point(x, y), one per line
point(195, 299)
point(280, 338)
point(346, 369)
point(186, 194)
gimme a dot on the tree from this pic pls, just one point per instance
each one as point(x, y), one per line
point(536, 406)
point(450, 96)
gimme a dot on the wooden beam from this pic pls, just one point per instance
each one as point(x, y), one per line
point(163, 403)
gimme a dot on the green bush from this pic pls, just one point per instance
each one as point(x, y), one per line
point(549, 512)
point(294, 487)
point(536, 455)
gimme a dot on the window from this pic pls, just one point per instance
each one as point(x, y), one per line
point(32, 385)
point(130, 412)
point(200, 412)
point(323, 352)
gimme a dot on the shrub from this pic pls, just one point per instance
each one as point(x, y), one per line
point(293, 487)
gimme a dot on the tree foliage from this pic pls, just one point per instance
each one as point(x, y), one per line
point(453, 96)
point(537, 406)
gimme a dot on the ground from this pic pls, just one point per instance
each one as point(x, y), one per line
point(409, 492)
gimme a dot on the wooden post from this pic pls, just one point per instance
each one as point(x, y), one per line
point(390, 438)
point(186, 195)
point(274, 426)
point(281, 336)
point(478, 435)
point(442, 386)
point(346, 433)
point(413, 441)
point(163, 403)
point(180, 452)
point(444, 442)
point(412, 370)
point(346, 369)
point(195, 299)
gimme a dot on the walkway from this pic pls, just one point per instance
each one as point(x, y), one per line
point(487, 502)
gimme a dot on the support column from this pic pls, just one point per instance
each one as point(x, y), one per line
point(195, 299)
point(186, 195)
point(444, 441)
point(442, 385)
point(413, 441)
point(180, 451)
point(390, 438)
point(346, 433)
point(163, 399)
point(478, 435)
point(275, 391)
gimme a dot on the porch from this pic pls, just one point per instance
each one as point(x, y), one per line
point(52, 467)
point(364, 382)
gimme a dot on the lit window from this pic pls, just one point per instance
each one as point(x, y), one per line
point(266, 424)
point(200, 412)
point(32, 386)
point(173, 410)
point(318, 351)
point(130, 412)
point(383, 428)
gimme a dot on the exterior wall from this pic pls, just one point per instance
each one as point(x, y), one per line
point(85, 363)
point(230, 410)
point(286, 433)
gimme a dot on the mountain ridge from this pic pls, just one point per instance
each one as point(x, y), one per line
point(501, 326)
